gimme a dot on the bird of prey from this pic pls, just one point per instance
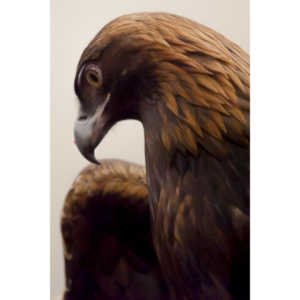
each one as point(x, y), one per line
point(189, 86)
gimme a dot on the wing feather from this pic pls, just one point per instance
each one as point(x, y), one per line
point(107, 238)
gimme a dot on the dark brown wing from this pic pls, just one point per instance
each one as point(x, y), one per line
point(107, 237)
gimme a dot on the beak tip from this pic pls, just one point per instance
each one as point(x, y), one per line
point(96, 162)
point(90, 156)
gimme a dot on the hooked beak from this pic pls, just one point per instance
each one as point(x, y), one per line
point(89, 132)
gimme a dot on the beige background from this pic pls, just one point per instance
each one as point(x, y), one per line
point(73, 24)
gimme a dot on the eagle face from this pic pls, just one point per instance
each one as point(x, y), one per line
point(110, 89)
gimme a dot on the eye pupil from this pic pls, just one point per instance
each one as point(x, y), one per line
point(94, 78)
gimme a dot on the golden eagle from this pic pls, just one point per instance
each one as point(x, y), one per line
point(189, 86)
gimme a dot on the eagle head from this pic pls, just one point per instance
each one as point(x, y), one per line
point(179, 78)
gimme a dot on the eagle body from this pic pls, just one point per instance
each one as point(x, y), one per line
point(200, 240)
point(189, 86)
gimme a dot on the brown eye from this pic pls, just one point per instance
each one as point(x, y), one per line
point(93, 76)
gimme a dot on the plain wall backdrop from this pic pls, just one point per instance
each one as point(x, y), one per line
point(73, 24)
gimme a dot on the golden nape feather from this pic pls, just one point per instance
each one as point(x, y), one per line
point(106, 232)
point(189, 86)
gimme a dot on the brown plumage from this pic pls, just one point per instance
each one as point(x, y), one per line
point(105, 256)
point(189, 86)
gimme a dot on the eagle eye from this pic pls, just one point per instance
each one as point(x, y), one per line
point(94, 76)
